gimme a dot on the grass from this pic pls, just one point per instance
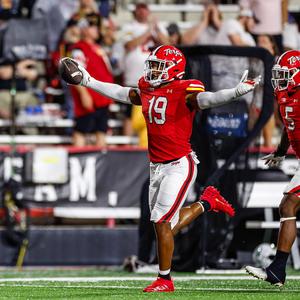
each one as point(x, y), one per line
point(93, 283)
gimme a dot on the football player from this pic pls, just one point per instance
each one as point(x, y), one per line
point(286, 84)
point(169, 104)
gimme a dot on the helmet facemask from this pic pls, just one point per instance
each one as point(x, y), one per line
point(282, 77)
point(156, 71)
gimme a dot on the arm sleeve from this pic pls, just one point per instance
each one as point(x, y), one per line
point(210, 99)
point(110, 90)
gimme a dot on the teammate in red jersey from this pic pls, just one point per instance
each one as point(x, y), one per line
point(286, 83)
point(169, 105)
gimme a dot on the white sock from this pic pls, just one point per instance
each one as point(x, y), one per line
point(166, 272)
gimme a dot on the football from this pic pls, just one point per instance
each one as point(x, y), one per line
point(69, 71)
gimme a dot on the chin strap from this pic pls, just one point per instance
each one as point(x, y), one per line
point(287, 219)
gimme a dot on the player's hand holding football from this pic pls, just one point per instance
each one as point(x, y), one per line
point(72, 72)
point(246, 85)
point(273, 159)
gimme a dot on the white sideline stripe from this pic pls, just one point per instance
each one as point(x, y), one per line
point(274, 290)
point(60, 139)
point(106, 279)
point(97, 213)
point(223, 272)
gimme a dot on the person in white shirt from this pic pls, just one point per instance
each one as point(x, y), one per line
point(139, 36)
point(236, 31)
point(233, 32)
point(268, 16)
point(206, 30)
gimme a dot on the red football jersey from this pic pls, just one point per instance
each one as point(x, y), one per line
point(169, 120)
point(289, 105)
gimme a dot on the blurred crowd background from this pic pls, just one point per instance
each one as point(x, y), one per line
point(112, 40)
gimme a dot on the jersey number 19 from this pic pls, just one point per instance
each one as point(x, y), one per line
point(157, 110)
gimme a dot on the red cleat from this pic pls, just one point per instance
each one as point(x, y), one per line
point(216, 201)
point(160, 285)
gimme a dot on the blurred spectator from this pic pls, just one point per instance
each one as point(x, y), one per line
point(108, 41)
point(205, 31)
point(104, 8)
point(139, 125)
point(268, 16)
point(9, 9)
point(175, 37)
point(25, 8)
point(25, 72)
point(226, 70)
point(56, 13)
point(291, 34)
point(91, 108)
point(70, 36)
point(66, 8)
point(139, 36)
point(267, 42)
point(236, 32)
point(16, 9)
point(86, 7)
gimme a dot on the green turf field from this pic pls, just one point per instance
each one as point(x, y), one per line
point(99, 284)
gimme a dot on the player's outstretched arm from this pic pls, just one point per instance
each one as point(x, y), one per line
point(205, 100)
point(74, 73)
point(275, 158)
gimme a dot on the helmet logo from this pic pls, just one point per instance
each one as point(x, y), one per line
point(172, 51)
point(293, 59)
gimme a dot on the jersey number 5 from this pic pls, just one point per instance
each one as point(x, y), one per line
point(157, 110)
point(291, 123)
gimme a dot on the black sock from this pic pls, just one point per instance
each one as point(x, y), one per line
point(205, 205)
point(280, 261)
point(167, 277)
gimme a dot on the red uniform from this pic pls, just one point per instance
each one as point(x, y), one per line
point(289, 105)
point(169, 120)
point(94, 59)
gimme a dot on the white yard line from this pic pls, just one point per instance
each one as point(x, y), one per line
point(131, 278)
point(274, 290)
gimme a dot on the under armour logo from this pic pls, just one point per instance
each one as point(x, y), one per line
point(169, 91)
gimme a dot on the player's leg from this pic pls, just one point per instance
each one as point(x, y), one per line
point(210, 199)
point(288, 208)
point(187, 214)
point(290, 204)
point(275, 273)
point(287, 234)
point(175, 182)
point(165, 248)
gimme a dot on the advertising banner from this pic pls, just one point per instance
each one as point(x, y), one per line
point(95, 179)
